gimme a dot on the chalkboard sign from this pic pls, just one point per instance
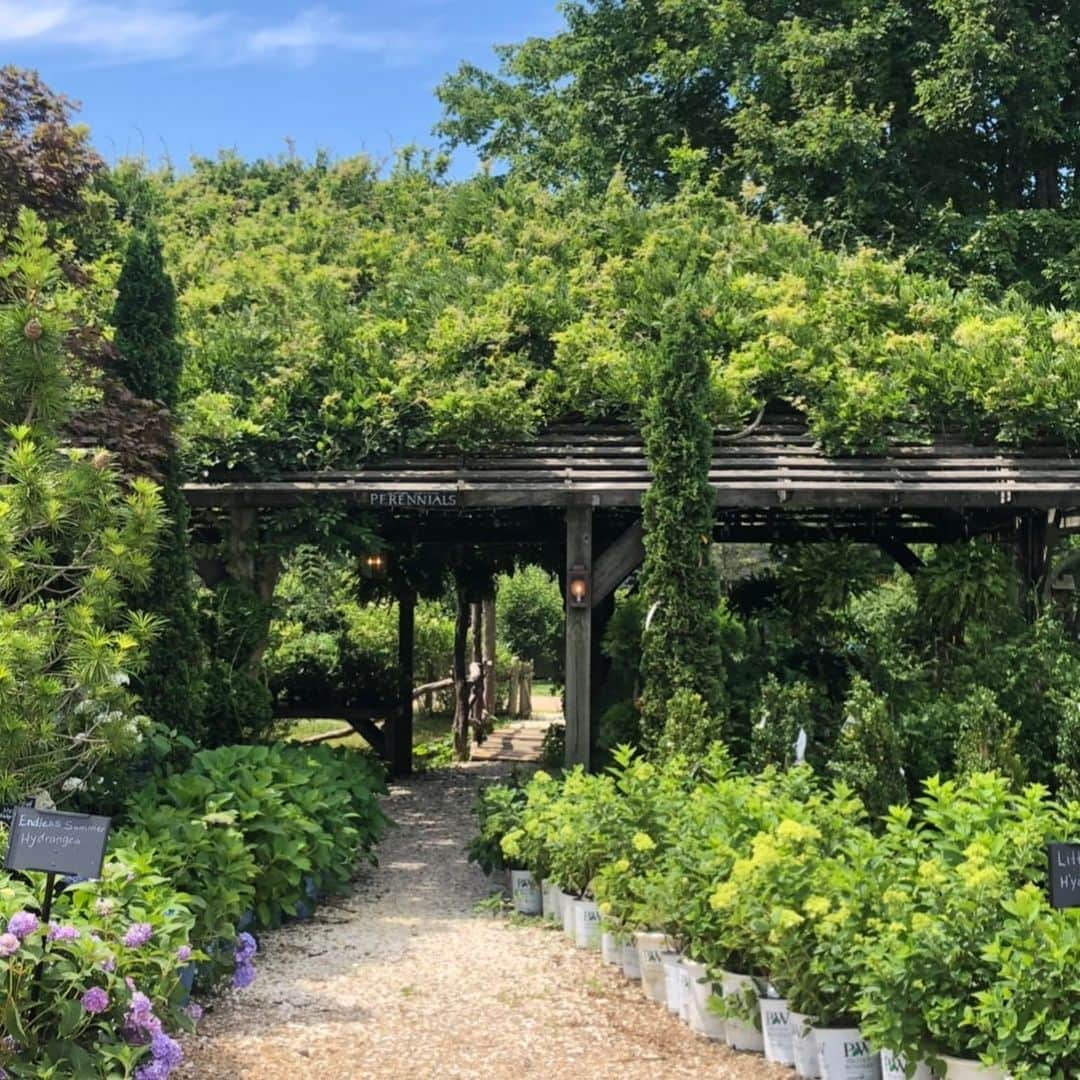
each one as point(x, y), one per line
point(1064, 875)
point(57, 843)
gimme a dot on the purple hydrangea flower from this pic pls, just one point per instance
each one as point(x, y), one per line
point(109, 964)
point(140, 1023)
point(138, 934)
point(166, 1050)
point(152, 1070)
point(9, 944)
point(22, 924)
point(244, 975)
point(195, 1011)
point(183, 954)
point(95, 1000)
point(246, 948)
point(62, 933)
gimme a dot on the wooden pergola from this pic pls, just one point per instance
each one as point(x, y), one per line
point(577, 490)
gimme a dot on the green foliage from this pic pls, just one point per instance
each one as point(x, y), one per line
point(933, 947)
point(933, 937)
point(271, 827)
point(498, 810)
point(986, 737)
point(529, 617)
point(324, 326)
point(938, 128)
point(323, 813)
point(172, 684)
point(868, 752)
point(783, 711)
point(682, 661)
point(73, 539)
point(147, 326)
point(327, 646)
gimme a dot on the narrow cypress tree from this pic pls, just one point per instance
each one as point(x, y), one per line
point(146, 322)
point(172, 685)
point(682, 658)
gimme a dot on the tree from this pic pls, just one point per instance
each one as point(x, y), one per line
point(682, 652)
point(530, 616)
point(73, 539)
point(45, 160)
point(172, 684)
point(944, 128)
point(147, 327)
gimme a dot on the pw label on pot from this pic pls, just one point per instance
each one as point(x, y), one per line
point(1064, 875)
point(55, 842)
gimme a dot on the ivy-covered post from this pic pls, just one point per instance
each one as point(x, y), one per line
point(681, 651)
point(173, 683)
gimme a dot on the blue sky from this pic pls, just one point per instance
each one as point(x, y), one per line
point(183, 77)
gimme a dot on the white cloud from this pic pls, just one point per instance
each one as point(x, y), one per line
point(137, 30)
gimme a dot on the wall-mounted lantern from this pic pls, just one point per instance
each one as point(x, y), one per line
point(577, 587)
point(373, 565)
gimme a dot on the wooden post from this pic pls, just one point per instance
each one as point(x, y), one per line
point(578, 639)
point(525, 707)
point(513, 694)
point(488, 619)
point(477, 612)
point(461, 677)
point(399, 728)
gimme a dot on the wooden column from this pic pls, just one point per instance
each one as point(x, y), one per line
point(462, 741)
point(578, 640)
point(399, 728)
point(488, 618)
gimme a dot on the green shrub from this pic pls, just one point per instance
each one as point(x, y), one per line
point(784, 711)
point(529, 618)
point(868, 752)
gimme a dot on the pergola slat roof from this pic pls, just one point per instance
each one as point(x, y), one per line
point(777, 465)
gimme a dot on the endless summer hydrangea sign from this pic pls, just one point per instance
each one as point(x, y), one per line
point(1064, 875)
point(56, 842)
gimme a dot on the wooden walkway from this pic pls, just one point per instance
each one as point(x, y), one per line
point(520, 741)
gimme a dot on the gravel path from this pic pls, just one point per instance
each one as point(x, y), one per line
point(402, 978)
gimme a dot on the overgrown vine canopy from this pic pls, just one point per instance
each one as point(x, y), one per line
point(332, 315)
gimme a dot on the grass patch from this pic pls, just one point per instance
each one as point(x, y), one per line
point(425, 728)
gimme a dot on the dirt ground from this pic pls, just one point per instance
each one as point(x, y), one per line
point(404, 978)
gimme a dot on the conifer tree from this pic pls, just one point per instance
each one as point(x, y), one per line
point(172, 684)
point(681, 655)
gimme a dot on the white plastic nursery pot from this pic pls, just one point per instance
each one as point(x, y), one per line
point(526, 893)
point(587, 925)
point(610, 948)
point(843, 1054)
point(651, 947)
point(550, 900)
point(741, 1034)
point(673, 984)
point(686, 994)
point(966, 1069)
point(631, 966)
point(893, 1068)
point(776, 1030)
point(698, 991)
point(566, 906)
point(804, 1047)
